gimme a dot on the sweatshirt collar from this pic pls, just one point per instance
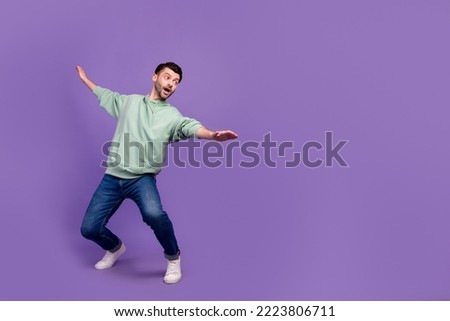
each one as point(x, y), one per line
point(159, 103)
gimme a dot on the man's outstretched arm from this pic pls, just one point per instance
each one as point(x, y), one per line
point(84, 78)
point(218, 135)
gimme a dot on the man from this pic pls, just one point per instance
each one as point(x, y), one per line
point(143, 122)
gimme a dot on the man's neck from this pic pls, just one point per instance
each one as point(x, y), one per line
point(153, 97)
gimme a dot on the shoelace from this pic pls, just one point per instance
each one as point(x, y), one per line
point(107, 257)
point(172, 268)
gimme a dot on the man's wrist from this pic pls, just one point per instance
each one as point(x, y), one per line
point(204, 133)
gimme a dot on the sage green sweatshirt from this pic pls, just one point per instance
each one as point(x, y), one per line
point(144, 129)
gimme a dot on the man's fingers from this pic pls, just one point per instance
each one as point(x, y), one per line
point(80, 70)
point(224, 135)
point(231, 134)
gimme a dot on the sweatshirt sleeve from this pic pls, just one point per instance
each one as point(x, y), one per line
point(112, 102)
point(186, 128)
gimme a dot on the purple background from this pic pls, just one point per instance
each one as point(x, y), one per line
point(377, 74)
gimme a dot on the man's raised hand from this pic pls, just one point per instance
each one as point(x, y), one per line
point(84, 78)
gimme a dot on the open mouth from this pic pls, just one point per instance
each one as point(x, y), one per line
point(166, 90)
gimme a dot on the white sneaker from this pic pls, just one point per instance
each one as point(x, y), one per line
point(173, 273)
point(110, 258)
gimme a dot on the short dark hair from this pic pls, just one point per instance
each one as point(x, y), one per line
point(172, 66)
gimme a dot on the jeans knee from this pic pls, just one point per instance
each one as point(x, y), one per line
point(88, 232)
point(155, 218)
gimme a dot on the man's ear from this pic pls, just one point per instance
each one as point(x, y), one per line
point(154, 77)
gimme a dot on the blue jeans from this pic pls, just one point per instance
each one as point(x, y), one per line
point(110, 193)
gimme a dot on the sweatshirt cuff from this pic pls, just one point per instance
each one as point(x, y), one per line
point(195, 129)
point(98, 90)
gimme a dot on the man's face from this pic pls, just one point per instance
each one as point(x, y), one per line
point(165, 83)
